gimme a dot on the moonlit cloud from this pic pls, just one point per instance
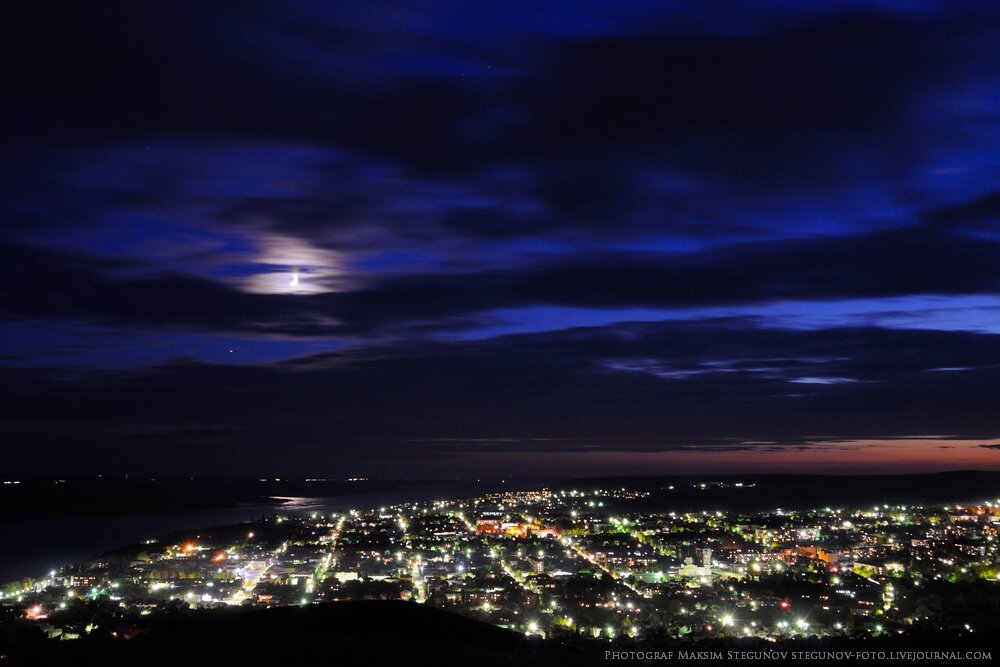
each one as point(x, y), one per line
point(287, 265)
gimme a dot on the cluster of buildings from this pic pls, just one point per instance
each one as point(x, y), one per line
point(560, 563)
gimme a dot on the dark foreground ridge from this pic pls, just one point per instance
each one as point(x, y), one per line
point(362, 632)
point(394, 632)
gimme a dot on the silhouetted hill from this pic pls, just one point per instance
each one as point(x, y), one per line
point(372, 633)
point(400, 633)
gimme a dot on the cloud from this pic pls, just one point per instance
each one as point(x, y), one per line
point(923, 259)
point(985, 208)
point(543, 392)
point(43, 284)
point(761, 184)
point(779, 102)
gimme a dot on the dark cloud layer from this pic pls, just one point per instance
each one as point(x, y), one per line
point(127, 70)
point(650, 387)
point(320, 222)
point(924, 259)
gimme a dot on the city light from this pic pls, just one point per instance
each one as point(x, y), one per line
point(517, 567)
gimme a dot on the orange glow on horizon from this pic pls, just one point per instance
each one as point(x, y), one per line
point(886, 456)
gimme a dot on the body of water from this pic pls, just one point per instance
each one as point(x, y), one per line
point(33, 547)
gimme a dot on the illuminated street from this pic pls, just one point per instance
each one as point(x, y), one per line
point(558, 563)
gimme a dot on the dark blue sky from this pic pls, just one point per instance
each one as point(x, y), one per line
point(449, 238)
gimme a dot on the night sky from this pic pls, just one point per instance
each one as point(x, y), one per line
point(483, 239)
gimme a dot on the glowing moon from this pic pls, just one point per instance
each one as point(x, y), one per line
point(290, 266)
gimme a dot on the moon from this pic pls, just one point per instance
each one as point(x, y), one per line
point(295, 279)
